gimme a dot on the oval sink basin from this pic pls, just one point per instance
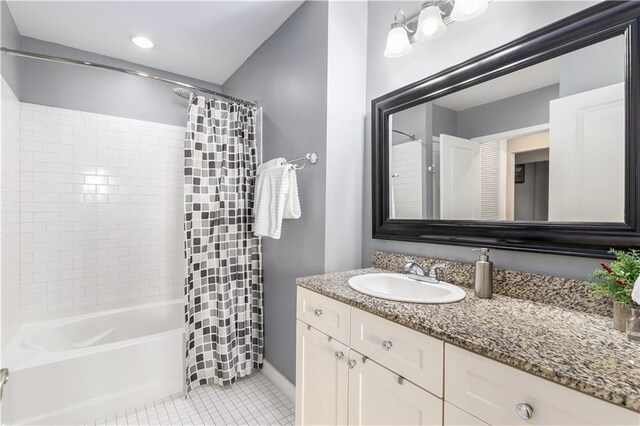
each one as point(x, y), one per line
point(401, 288)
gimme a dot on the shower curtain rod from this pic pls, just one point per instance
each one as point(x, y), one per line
point(32, 55)
point(413, 137)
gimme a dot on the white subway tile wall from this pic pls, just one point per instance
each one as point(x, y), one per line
point(9, 205)
point(100, 209)
point(406, 167)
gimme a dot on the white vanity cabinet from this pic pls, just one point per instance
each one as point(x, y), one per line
point(360, 369)
point(378, 396)
point(322, 375)
point(502, 395)
point(336, 384)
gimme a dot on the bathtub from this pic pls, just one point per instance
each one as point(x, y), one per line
point(77, 369)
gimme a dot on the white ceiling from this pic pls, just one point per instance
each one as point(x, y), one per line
point(523, 81)
point(207, 40)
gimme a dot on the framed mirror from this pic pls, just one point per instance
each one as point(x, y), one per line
point(531, 146)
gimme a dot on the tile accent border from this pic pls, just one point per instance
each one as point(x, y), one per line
point(556, 291)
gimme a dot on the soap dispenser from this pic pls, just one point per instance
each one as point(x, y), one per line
point(484, 275)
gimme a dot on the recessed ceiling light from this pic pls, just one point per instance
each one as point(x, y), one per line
point(142, 42)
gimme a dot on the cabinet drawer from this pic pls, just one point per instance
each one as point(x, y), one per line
point(491, 391)
point(327, 315)
point(413, 355)
point(377, 397)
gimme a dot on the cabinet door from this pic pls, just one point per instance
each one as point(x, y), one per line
point(321, 378)
point(378, 397)
point(453, 416)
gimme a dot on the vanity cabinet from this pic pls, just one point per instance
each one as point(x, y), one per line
point(380, 372)
point(379, 396)
point(322, 378)
point(502, 395)
point(411, 354)
point(322, 313)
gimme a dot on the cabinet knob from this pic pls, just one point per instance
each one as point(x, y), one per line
point(339, 354)
point(352, 363)
point(317, 312)
point(525, 411)
point(386, 345)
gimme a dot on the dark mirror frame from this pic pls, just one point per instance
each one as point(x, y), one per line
point(594, 239)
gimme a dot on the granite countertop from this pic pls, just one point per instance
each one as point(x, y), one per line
point(574, 349)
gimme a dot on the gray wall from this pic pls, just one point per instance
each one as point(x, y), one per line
point(516, 112)
point(346, 91)
point(445, 121)
point(501, 23)
point(595, 66)
point(10, 38)
point(288, 77)
point(100, 91)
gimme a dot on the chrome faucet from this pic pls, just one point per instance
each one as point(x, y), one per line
point(412, 268)
point(414, 271)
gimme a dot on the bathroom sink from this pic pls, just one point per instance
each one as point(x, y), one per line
point(402, 288)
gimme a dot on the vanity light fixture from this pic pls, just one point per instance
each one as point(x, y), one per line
point(142, 42)
point(464, 10)
point(430, 23)
point(398, 43)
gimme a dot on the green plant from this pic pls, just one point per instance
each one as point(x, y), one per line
point(616, 280)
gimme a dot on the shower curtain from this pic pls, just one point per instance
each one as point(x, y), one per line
point(223, 283)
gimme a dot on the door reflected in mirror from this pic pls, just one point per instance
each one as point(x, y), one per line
point(545, 143)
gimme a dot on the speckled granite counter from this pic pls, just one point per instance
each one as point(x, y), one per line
point(575, 349)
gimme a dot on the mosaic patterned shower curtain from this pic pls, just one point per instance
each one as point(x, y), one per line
point(223, 283)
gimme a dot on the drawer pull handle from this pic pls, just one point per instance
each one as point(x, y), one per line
point(386, 345)
point(525, 411)
point(352, 363)
point(339, 355)
point(317, 312)
point(400, 380)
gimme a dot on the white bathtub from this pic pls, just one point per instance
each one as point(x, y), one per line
point(76, 369)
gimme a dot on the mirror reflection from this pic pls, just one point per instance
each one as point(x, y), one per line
point(545, 143)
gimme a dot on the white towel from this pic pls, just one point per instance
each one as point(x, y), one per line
point(292, 202)
point(270, 164)
point(271, 195)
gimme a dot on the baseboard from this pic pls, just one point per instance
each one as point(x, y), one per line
point(279, 381)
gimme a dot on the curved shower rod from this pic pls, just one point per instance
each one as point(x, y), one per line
point(400, 132)
point(70, 61)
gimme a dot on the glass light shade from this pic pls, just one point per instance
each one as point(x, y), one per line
point(142, 42)
point(463, 10)
point(430, 24)
point(398, 43)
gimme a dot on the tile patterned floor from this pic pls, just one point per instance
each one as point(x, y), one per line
point(254, 400)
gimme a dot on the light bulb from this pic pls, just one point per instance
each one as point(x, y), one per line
point(430, 24)
point(142, 42)
point(398, 43)
point(463, 10)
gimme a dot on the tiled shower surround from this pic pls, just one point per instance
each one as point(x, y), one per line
point(100, 209)
point(10, 202)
